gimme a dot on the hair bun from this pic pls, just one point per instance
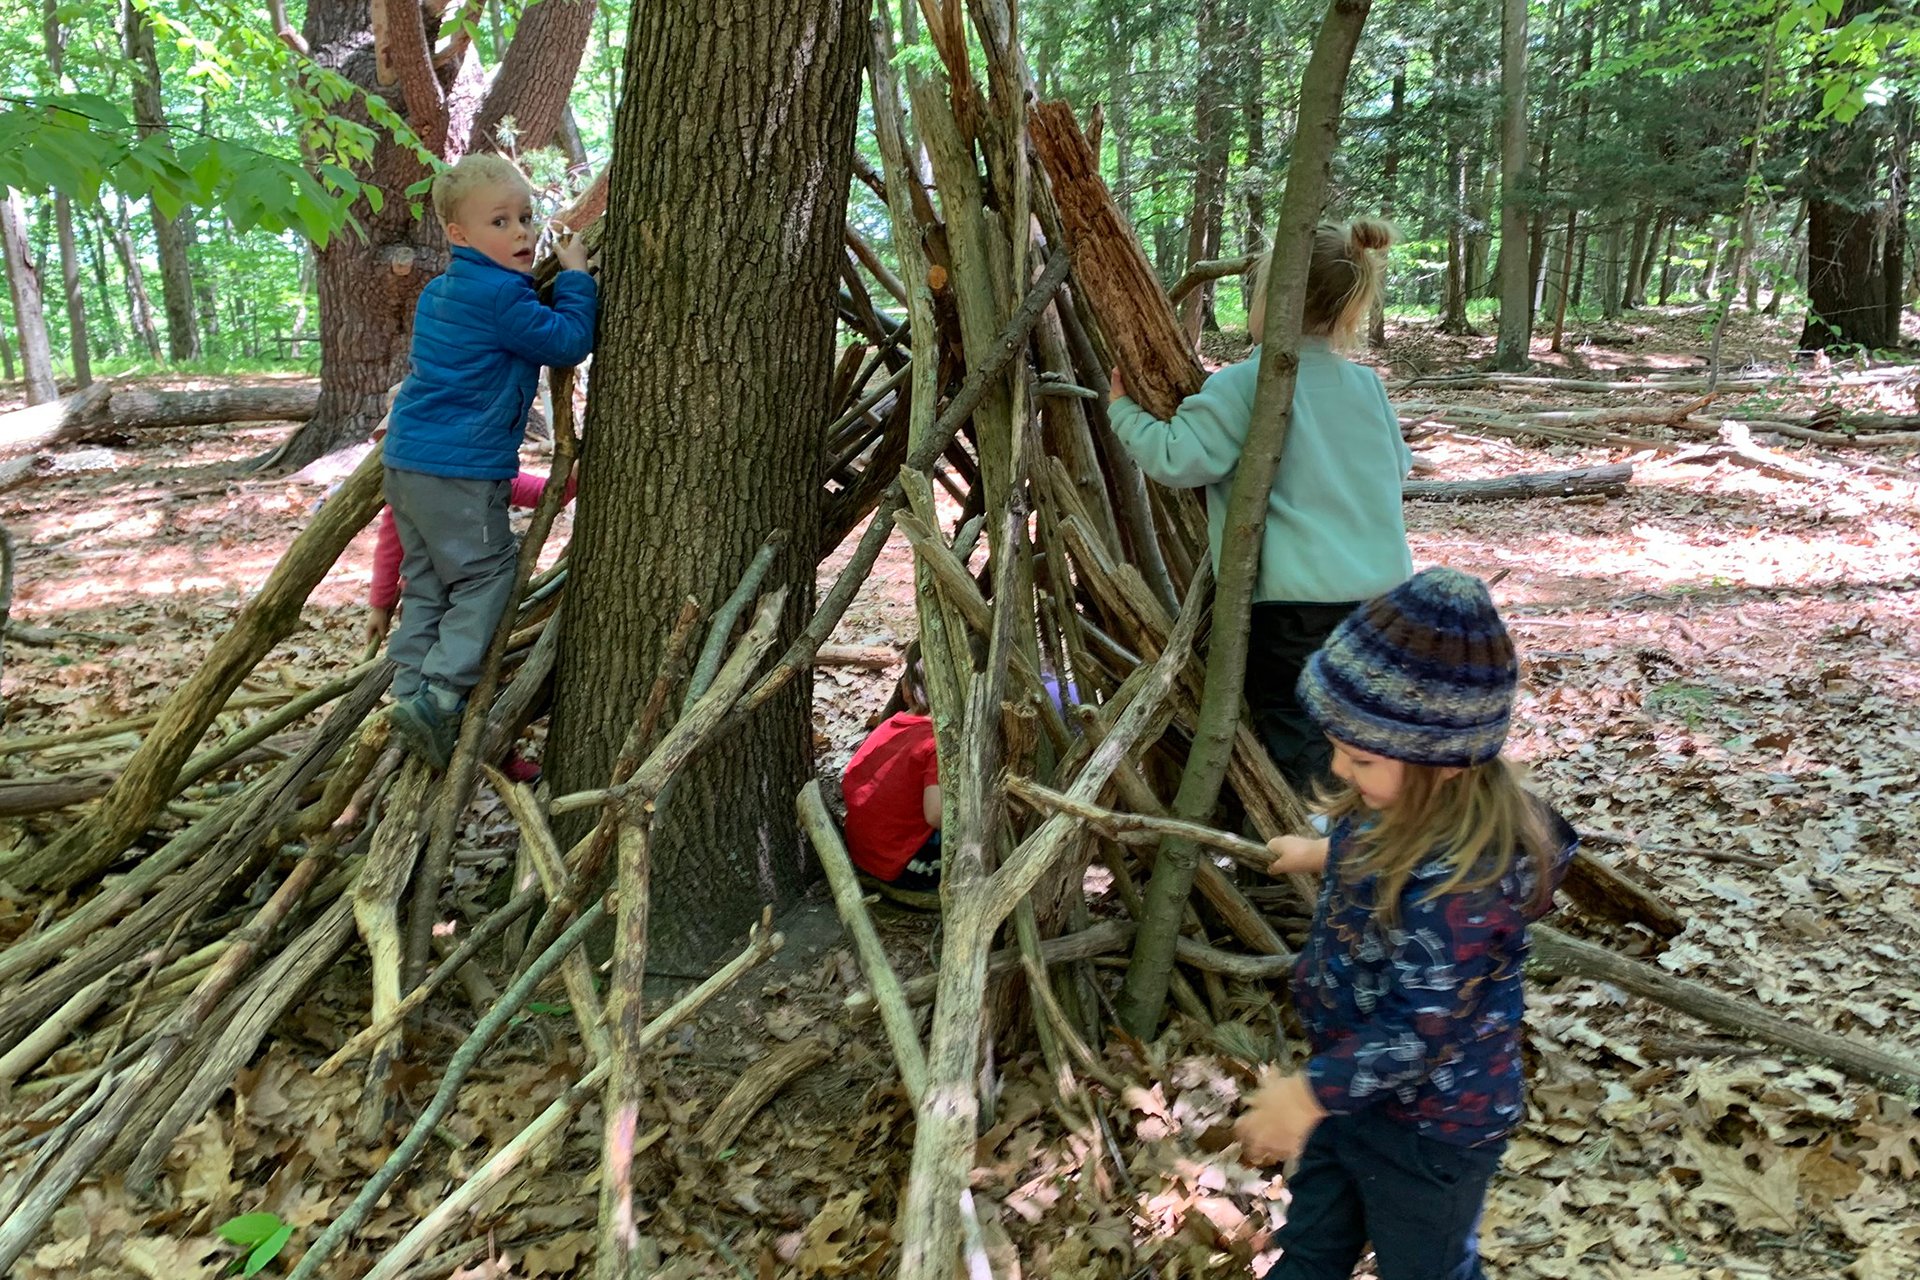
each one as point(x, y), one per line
point(1369, 233)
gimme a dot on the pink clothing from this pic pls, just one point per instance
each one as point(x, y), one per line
point(384, 593)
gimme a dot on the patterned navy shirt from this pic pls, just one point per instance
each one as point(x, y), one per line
point(1422, 1019)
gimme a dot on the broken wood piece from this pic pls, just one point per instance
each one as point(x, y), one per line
point(871, 657)
point(1201, 272)
point(1600, 890)
point(1114, 277)
point(757, 1086)
point(1572, 957)
point(1610, 479)
point(903, 1032)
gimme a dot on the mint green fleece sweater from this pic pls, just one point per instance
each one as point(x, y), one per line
point(1334, 528)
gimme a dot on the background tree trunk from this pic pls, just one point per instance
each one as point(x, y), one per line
point(63, 216)
point(121, 233)
point(29, 312)
point(721, 264)
point(1846, 209)
point(536, 77)
point(1516, 310)
point(170, 234)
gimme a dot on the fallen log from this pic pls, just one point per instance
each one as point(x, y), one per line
point(1566, 956)
point(1610, 479)
point(119, 406)
point(1599, 889)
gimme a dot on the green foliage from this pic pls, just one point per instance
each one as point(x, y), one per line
point(263, 1235)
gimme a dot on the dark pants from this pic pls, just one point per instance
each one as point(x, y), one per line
point(1281, 639)
point(922, 872)
point(1366, 1177)
point(458, 559)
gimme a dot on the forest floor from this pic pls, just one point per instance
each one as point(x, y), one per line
point(1722, 666)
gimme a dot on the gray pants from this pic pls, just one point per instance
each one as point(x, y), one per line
point(457, 557)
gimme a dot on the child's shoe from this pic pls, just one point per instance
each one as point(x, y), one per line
point(428, 726)
point(520, 769)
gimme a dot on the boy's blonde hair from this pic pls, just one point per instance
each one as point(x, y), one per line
point(1343, 280)
point(1477, 820)
point(452, 186)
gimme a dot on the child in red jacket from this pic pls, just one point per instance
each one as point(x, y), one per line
point(892, 790)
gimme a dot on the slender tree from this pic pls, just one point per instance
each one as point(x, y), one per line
point(170, 233)
point(56, 45)
point(29, 313)
point(1516, 311)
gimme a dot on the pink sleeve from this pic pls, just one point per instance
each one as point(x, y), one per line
point(386, 564)
point(527, 486)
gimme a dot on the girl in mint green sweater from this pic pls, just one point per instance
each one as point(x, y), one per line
point(1334, 533)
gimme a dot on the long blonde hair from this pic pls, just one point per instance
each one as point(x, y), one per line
point(1343, 279)
point(1477, 820)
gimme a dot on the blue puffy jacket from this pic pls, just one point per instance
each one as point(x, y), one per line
point(480, 335)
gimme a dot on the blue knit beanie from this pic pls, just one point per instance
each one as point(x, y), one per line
point(1424, 674)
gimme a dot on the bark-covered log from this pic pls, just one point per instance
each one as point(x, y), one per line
point(1611, 479)
point(107, 406)
point(1559, 953)
point(1143, 333)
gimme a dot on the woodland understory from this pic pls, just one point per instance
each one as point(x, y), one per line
point(1722, 669)
point(276, 998)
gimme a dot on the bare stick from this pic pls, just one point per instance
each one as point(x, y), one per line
point(463, 1061)
point(1134, 828)
point(575, 971)
point(487, 930)
point(902, 1032)
point(759, 1085)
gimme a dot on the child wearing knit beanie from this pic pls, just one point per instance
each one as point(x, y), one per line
point(1409, 985)
point(1334, 534)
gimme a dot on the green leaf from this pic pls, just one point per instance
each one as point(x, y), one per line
point(267, 1250)
point(251, 1228)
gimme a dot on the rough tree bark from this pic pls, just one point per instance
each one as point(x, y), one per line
point(536, 76)
point(29, 310)
point(150, 119)
point(721, 265)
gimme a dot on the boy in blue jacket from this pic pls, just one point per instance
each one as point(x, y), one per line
point(480, 335)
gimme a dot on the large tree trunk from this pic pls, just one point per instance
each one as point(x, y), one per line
point(150, 118)
point(1516, 310)
point(29, 313)
point(720, 267)
point(1846, 213)
point(535, 77)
